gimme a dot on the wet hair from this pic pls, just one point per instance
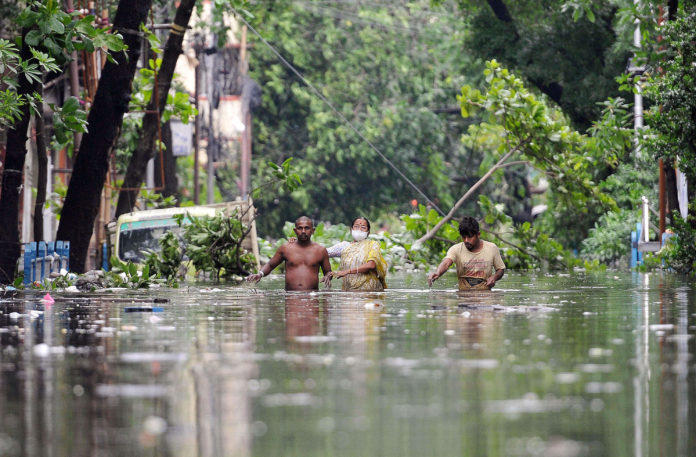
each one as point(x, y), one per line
point(357, 219)
point(304, 217)
point(468, 226)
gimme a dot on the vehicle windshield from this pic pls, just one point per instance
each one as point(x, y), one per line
point(136, 238)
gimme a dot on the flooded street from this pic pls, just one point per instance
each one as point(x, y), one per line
point(546, 365)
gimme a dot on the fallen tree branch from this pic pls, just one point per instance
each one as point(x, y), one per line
point(446, 240)
point(519, 248)
point(431, 233)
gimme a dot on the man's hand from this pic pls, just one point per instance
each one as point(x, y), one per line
point(490, 282)
point(431, 278)
point(255, 277)
point(327, 279)
point(441, 269)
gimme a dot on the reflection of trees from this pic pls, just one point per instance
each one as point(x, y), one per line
point(89, 390)
point(217, 404)
point(40, 408)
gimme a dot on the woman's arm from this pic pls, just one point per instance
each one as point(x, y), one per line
point(337, 249)
point(364, 268)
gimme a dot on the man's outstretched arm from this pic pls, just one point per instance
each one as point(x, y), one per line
point(277, 258)
point(441, 269)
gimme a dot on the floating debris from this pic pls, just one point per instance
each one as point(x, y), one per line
point(143, 309)
point(132, 390)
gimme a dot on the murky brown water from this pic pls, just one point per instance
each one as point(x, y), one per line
point(547, 365)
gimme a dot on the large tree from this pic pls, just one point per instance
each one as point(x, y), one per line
point(49, 36)
point(15, 153)
point(104, 120)
point(572, 58)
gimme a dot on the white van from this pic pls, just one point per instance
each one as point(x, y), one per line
point(140, 231)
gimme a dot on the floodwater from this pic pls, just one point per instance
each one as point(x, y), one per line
point(546, 365)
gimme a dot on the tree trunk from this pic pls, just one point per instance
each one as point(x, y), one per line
point(145, 148)
point(671, 188)
point(170, 185)
point(15, 153)
point(43, 172)
point(501, 11)
point(104, 121)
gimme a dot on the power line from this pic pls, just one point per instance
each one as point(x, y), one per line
point(338, 113)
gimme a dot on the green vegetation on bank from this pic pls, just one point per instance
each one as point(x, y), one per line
point(517, 114)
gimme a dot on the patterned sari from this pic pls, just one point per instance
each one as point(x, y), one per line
point(355, 255)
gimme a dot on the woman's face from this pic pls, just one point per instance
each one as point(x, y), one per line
point(360, 224)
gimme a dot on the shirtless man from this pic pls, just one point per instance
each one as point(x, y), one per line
point(302, 259)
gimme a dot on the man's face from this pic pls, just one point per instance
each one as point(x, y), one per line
point(304, 230)
point(471, 241)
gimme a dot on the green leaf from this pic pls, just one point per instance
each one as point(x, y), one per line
point(54, 25)
point(71, 105)
point(33, 38)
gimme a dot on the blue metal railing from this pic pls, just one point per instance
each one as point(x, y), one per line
point(636, 256)
point(636, 237)
point(43, 258)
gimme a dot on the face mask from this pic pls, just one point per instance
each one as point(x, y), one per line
point(358, 235)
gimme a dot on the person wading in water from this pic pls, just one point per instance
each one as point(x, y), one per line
point(302, 258)
point(479, 265)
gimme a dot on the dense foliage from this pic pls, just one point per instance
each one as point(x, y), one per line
point(672, 89)
point(518, 122)
point(569, 51)
point(681, 249)
point(375, 84)
point(389, 69)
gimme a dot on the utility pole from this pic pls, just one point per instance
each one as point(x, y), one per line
point(246, 118)
point(197, 123)
point(638, 95)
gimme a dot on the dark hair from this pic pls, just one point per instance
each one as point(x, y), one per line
point(357, 219)
point(468, 226)
point(304, 217)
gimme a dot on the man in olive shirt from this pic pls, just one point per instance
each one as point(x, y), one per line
point(302, 258)
point(479, 265)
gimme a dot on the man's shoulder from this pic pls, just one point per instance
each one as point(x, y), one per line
point(318, 246)
point(490, 245)
point(456, 247)
point(454, 252)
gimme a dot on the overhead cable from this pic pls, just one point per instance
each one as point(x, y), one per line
point(338, 113)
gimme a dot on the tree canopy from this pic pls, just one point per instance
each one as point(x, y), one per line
point(390, 70)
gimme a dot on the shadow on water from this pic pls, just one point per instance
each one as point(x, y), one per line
point(545, 365)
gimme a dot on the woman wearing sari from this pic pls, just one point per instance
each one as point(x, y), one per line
point(362, 265)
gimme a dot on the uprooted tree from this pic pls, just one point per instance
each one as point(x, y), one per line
point(536, 134)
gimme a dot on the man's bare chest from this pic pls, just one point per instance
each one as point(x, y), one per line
point(307, 258)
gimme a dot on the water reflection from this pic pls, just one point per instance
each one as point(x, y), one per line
point(305, 320)
point(552, 365)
